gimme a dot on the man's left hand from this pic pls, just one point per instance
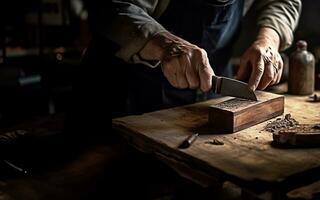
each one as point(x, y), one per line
point(262, 63)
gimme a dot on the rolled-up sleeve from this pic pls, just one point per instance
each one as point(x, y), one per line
point(280, 15)
point(129, 25)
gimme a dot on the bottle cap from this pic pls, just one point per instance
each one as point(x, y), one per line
point(302, 45)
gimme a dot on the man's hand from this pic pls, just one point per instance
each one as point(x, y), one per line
point(183, 64)
point(262, 63)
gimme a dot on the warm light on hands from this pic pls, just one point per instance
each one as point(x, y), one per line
point(184, 65)
point(262, 63)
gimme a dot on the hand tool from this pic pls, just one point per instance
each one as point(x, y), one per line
point(231, 87)
point(188, 141)
point(15, 167)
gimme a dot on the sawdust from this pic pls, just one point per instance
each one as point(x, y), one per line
point(285, 123)
point(234, 104)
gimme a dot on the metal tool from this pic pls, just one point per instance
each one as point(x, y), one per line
point(231, 87)
point(188, 141)
point(15, 167)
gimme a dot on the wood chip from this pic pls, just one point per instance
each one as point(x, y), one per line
point(215, 142)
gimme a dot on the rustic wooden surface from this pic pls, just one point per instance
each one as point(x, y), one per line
point(73, 180)
point(246, 157)
point(311, 191)
point(237, 114)
point(55, 170)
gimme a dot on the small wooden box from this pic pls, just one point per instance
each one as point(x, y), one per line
point(237, 114)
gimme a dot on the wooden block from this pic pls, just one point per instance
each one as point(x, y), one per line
point(237, 114)
point(307, 135)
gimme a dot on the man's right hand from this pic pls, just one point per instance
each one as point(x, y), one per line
point(184, 65)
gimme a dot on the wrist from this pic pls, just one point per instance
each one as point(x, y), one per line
point(155, 47)
point(164, 45)
point(268, 36)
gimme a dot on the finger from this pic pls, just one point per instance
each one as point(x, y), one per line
point(277, 70)
point(267, 77)
point(169, 71)
point(243, 71)
point(181, 73)
point(256, 74)
point(205, 73)
point(275, 75)
point(280, 67)
point(192, 76)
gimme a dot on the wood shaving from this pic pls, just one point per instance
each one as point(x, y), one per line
point(278, 124)
point(215, 142)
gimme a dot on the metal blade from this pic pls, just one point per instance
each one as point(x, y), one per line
point(231, 87)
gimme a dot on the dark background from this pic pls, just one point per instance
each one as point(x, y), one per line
point(42, 43)
point(38, 57)
point(43, 53)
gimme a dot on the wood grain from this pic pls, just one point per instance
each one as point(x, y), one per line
point(307, 192)
point(307, 135)
point(247, 156)
point(237, 114)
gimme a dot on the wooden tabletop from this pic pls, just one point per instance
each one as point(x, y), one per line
point(245, 157)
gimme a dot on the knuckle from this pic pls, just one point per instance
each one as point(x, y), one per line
point(269, 76)
point(260, 68)
point(197, 52)
point(204, 52)
point(259, 51)
point(255, 50)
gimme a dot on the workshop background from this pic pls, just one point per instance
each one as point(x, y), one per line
point(38, 56)
point(39, 52)
point(308, 30)
point(41, 46)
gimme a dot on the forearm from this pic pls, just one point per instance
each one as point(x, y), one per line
point(280, 15)
point(128, 24)
point(163, 45)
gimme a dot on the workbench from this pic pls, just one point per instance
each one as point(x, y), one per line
point(59, 165)
point(246, 158)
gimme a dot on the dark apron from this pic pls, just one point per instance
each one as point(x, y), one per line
point(210, 24)
point(136, 88)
